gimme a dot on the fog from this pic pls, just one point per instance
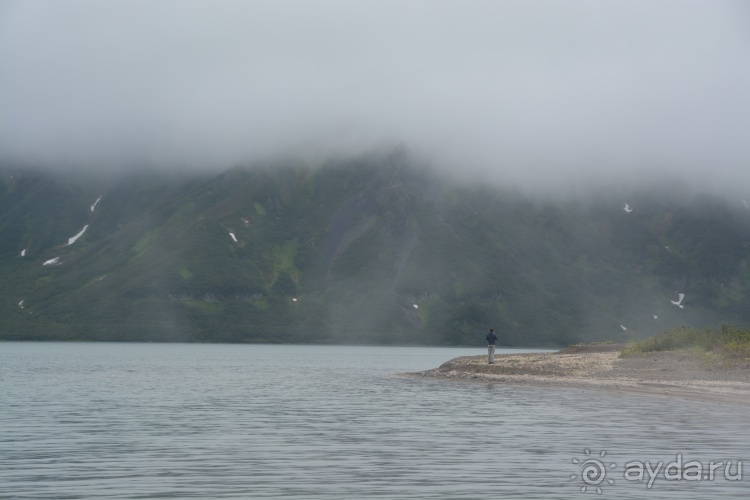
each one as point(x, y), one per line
point(529, 92)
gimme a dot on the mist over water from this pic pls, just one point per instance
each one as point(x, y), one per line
point(533, 93)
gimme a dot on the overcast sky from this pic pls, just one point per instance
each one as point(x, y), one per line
point(523, 89)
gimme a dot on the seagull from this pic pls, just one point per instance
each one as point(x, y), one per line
point(233, 237)
point(656, 317)
point(623, 327)
point(680, 296)
point(294, 299)
point(415, 306)
point(627, 208)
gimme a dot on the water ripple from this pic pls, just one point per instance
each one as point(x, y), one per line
point(213, 421)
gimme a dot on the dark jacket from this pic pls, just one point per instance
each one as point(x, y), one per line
point(491, 338)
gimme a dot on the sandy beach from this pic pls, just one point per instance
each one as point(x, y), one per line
point(682, 374)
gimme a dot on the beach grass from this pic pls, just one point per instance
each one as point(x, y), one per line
point(727, 341)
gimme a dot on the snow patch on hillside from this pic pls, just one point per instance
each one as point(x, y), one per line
point(74, 238)
point(94, 205)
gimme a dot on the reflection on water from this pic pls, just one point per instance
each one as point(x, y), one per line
point(82, 420)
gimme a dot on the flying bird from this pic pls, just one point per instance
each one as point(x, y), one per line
point(627, 208)
point(656, 317)
point(623, 327)
point(677, 302)
point(415, 306)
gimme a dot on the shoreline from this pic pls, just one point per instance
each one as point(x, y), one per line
point(679, 374)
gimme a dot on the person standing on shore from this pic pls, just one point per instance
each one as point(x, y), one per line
point(491, 339)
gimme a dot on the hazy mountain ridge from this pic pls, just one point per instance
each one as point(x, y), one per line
point(359, 243)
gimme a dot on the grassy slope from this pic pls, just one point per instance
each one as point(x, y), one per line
point(727, 346)
point(358, 243)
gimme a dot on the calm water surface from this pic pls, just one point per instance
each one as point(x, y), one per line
point(82, 420)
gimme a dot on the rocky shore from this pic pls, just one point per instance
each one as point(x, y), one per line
point(683, 374)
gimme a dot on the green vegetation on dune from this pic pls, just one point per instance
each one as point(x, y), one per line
point(727, 340)
point(358, 243)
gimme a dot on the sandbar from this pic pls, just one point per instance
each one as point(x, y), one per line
point(681, 374)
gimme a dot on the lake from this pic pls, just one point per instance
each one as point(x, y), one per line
point(121, 420)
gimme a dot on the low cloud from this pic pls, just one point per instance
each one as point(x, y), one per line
point(529, 92)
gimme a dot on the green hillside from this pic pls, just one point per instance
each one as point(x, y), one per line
point(366, 250)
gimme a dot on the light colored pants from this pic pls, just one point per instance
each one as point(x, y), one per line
point(490, 353)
